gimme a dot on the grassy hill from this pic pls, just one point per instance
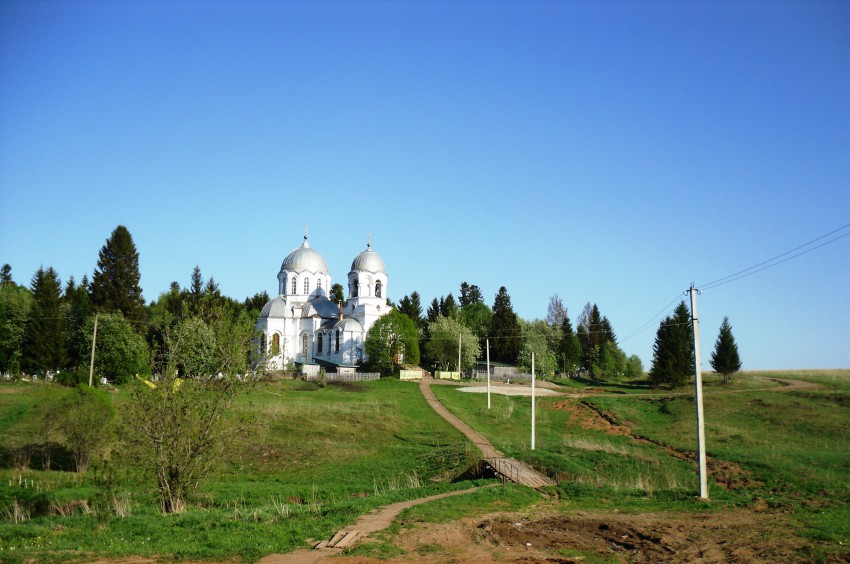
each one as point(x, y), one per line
point(318, 457)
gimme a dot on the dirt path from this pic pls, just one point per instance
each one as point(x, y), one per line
point(377, 520)
point(479, 440)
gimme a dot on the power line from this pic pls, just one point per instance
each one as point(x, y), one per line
point(770, 263)
point(651, 320)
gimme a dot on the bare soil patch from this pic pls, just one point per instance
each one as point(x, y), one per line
point(739, 536)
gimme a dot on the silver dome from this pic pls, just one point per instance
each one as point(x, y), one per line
point(275, 307)
point(368, 261)
point(304, 259)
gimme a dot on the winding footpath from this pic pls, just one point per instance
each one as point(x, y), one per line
point(381, 518)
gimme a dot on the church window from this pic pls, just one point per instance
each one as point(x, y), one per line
point(275, 344)
point(337, 340)
point(263, 344)
point(319, 283)
point(355, 290)
point(320, 344)
point(306, 286)
point(378, 289)
point(294, 285)
point(304, 343)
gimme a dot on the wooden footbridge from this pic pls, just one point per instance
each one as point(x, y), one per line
point(507, 469)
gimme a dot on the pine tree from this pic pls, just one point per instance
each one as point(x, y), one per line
point(46, 340)
point(448, 307)
point(115, 284)
point(6, 275)
point(412, 308)
point(673, 351)
point(433, 311)
point(505, 330)
point(79, 308)
point(725, 358)
point(337, 294)
point(470, 294)
point(569, 348)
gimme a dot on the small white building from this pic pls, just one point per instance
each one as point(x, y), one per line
point(303, 326)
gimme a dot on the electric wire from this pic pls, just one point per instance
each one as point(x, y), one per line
point(770, 263)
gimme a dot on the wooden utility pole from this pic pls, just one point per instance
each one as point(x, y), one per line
point(459, 349)
point(488, 373)
point(532, 401)
point(703, 476)
point(93, 341)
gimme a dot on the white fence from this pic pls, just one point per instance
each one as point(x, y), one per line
point(481, 376)
point(344, 377)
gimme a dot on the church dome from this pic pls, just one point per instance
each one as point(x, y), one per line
point(304, 258)
point(368, 261)
point(275, 307)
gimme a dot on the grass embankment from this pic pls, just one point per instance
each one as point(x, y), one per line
point(319, 458)
point(785, 450)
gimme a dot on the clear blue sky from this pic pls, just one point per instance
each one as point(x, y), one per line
point(610, 152)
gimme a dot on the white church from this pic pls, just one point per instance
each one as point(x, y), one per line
point(304, 327)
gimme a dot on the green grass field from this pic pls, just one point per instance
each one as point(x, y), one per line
point(322, 456)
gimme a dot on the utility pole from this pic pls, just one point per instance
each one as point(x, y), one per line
point(703, 477)
point(532, 401)
point(488, 373)
point(93, 341)
point(459, 349)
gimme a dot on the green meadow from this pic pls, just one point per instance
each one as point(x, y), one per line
point(317, 457)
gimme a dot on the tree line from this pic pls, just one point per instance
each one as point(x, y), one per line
point(47, 328)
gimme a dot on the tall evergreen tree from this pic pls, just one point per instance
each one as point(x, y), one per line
point(448, 307)
point(337, 293)
point(115, 284)
point(6, 275)
point(725, 358)
point(255, 302)
point(412, 308)
point(46, 340)
point(673, 351)
point(469, 294)
point(78, 305)
point(505, 330)
point(569, 348)
point(433, 311)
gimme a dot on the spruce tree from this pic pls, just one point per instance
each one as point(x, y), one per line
point(46, 339)
point(433, 310)
point(673, 351)
point(448, 307)
point(115, 284)
point(505, 330)
point(337, 294)
point(412, 308)
point(725, 358)
point(6, 275)
point(569, 348)
point(79, 308)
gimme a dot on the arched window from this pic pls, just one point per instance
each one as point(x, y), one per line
point(306, 286)
point(378, 289)
point(275, 344)
point(294, 285)
point(355, 290)
point(320, 344)
point(319, 283)
point(304, 345)
point(337, 340)
point(263, 344)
